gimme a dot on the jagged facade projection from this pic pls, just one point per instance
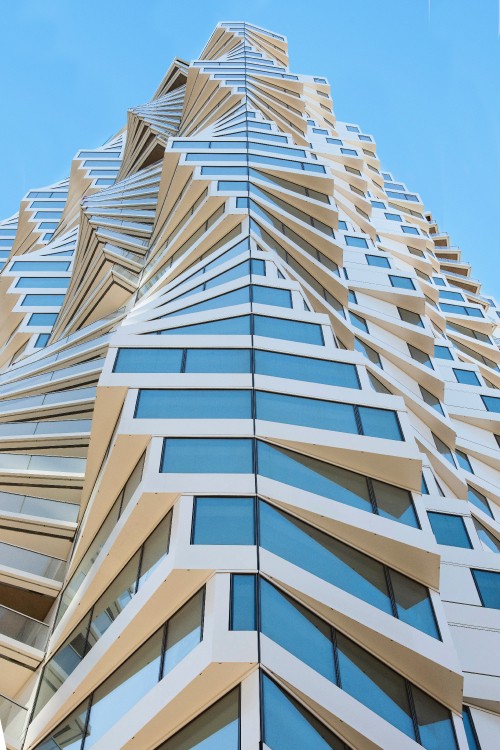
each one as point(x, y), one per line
point(250, 429)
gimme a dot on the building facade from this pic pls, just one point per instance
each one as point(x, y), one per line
point(250, 422)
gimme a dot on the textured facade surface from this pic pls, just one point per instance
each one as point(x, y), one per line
point(250, 424)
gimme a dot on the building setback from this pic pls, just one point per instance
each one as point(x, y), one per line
point(250, 417)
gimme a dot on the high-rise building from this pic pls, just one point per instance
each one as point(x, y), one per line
point(250, 423)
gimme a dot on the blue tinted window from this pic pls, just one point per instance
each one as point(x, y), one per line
point(445, 294)
point(408, 316)
point(243, 602)
point(305, 368)
point(42, 319)
point(434, 722)
point(491, 403)
point(288, 726)
point(207, 456)
point(449, 530)
point(463, 461)
point(401, 282)
point(218, 360)
point(225, 327)
point(467, 377)
point(470, 729)
point(224, 520)
point(380, 423)
point(323, 556)
point(33, 282)
point(358, 322)
point(442, 352)
point(375, 685)
point(148, 360)
point(295, 629)
point(193, 404)
point(43, 300)
point(355, 241)
point(276, 407)
point(42, 340)
point(488, 585)
point(237, 297)
point(410, 230)
point(265, 295)
point(476, 498)
point(393, 217)
point(377, 260)
point(289, 330)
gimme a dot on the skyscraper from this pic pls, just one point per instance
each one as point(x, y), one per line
point(250, 418)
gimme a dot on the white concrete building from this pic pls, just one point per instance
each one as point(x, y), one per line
point(249, 483)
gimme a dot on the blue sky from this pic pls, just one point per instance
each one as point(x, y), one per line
point(423, 76)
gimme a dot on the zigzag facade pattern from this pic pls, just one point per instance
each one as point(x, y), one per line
point(250, 420)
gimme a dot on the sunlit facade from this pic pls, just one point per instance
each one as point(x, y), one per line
point(250, 413)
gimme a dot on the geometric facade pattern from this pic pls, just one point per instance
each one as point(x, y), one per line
point(250, 420)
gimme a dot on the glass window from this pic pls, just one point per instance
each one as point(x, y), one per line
point(326, 415)
point(148, 360)
point(355, 241)
point(470, 730)
point(218, 360)
point(431, 400)
point(40, 265)
point(401, 282)
point(488, 541)
point(410, 230)
point(224, 520)
point(217, 728)
point(420, 356)
point(226, 326)
point(297, 630)
point(69, 734)
point(358, 322)
point(410, 317)
point(183, 632)
point(333, 482)
point(478, 499)
point(488, 587)
point(449, 530)
point(42, 300)
point(305, 368)
point(434, 722)
point(378, 260)
point(207, 456)
point(243, 602)
point(393, 217)
point(442, 352)
point(193, 404)
point(444, 450)
point(375, 685)
point(34, 282)
point(380, 423)
point(42, 319)
point(289, 726)
point(265, 295)
point(491, 403)
point(369, 353)
point(463, 461)
point(467, 377)
point(288, 330)
point(124, 688)
point(323, 556)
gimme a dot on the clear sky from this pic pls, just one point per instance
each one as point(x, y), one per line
point(422, 76)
